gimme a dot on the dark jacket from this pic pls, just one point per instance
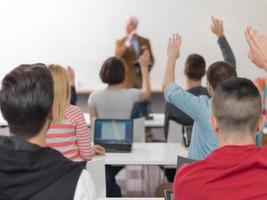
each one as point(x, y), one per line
point(30, 172)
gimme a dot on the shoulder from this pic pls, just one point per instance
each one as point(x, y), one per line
point(73, 112)
point(97, 93)
point(85, 188)
point(121, 40)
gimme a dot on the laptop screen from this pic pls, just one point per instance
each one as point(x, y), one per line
point(113, 131)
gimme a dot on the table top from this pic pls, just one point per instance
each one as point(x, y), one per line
point(148, 154)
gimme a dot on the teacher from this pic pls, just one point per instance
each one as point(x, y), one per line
point(129, 49)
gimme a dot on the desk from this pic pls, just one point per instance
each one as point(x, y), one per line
point(148, 154)
point(130, 198)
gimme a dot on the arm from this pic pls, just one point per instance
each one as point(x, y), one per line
point(257, 47)
point(144, 63)
point(73, 95)
point(173, 55)
point(218, 30)
point(82, 136)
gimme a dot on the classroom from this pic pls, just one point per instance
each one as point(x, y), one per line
point(138, 100)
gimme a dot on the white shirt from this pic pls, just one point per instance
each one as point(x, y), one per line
point(85, 189)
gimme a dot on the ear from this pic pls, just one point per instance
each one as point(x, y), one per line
point(214, 124)
point(260, 125)
point(210, 89)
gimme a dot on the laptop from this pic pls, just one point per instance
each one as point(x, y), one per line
point(114, 135)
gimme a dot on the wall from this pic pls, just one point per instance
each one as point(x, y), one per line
point(82, 33)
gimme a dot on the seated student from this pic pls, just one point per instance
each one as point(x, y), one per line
point(194, 71)
point(68, 132)
point(203, 139)
point(28, 169)
point(238, 169)
point(116, 101)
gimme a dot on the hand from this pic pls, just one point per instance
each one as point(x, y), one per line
point(99, 150)
point(132, 34)
point(145, 60)
point(174, 46)
point(217, 26)
point(71, 75)
point(257, 47)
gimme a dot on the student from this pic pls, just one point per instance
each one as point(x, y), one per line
point(194, 71)
point(28, 170)
point(116, 101)
point(68, 132)
point(238, 169)
point(203, 139)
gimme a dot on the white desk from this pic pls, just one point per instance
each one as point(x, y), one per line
point(156, 122)
point(130, 198)
point(148, 154)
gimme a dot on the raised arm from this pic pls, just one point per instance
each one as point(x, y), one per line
point(218, 29)
point(257, 47)
point(173, 54)
point(145, 60)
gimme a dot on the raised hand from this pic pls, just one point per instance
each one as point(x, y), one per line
point(174, 46)
point(257, 47)
point(71, 75)
point(217, 26)
point(145, 60)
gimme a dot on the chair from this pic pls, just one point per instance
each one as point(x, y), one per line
point(182, 160)
point(96, 168)
point(175, 133)
point(139, 130)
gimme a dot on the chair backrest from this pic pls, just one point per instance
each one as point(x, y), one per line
point(175, 134)
point(182, 160)
point(139, 130)
point(96, 168)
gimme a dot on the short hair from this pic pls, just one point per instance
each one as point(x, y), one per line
point(112, 71)
point(237, 105)
point(62, 90)
point(219, 72)
point(26, 99)
point(195, 67)
point(134, 20)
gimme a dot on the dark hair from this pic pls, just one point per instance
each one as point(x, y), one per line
point(195, 67)
point(26, 99)
point(237, 105)
point(219, 72)
point(112, 71)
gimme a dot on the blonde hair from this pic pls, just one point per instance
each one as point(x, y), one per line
point(61, 91)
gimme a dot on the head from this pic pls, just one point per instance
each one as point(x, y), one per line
point(26, 100)
point(61, 91)
point(195, 67)
point(236, 109)
point(219, 72)
point(112, 71)
point(131, 24)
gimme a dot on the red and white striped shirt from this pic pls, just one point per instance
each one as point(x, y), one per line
point(71, 137)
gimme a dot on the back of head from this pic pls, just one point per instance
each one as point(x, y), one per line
point(26, 99)
point(61, 91)
point(112, 71)
point(237, 106)
point(195, 67)
point(219, 72)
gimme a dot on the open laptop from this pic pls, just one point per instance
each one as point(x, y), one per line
point(114, 135)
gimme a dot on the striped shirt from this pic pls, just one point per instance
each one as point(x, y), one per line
point(71, 137)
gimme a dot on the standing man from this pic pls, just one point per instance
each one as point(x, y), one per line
point(130, 48)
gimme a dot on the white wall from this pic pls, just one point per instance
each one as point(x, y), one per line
point(82, 33)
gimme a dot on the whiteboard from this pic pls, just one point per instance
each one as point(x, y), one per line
point(82, 33)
